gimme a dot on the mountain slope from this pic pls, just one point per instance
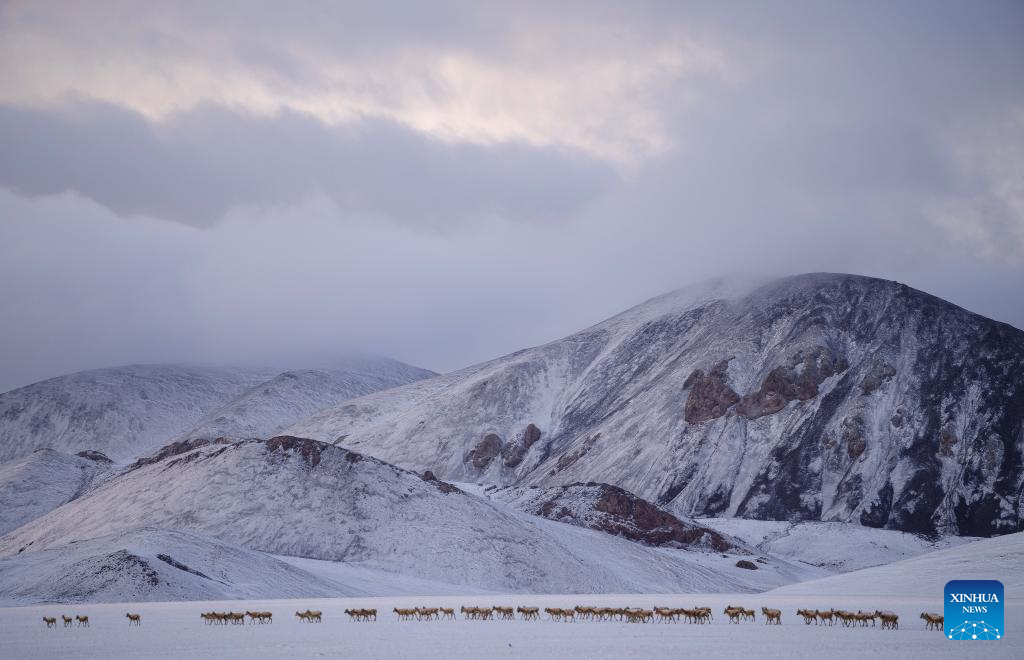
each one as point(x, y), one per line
point(999, 558)
point(816, 397)
point(264, 410)
point(304, 498)
point(153, 565)
point(39, 483)
point(126, 412)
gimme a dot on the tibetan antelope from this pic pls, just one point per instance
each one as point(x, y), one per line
point(82, 620)
point(529, 613)
point(134, 619)
point(772, 616)
point(50, 621)
point(809, 616)
point(506, 613)
point(890, 620)
point(933, 621)
point(67, 620)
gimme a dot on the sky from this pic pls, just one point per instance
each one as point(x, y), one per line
point(443, 183)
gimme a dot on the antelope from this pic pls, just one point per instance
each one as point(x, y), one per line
point(427, 613)
point(864, 617)
point(403, 613)
point(845, 617)
point(507, 613)
point(67, 620)
point(304, 616)
point(890, 620)
point(809, 615)
point(50, 621)
point(260, 617)
point(734, 613)
point(826, 616)
point(236, 618)
point(772, 616)
point(529, 613)
point(134, 619)
point(933, 621)
point(82, 620)
point(666, 614)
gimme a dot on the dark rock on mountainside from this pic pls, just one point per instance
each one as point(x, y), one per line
point(710, 395)
point(616, 511)
point(484, 452)
point(514, 452)
point(796, 380)
point(93, 455)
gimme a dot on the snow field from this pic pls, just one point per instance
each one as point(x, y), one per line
point(174, 630)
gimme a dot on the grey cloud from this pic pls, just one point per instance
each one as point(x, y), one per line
point(197, 165)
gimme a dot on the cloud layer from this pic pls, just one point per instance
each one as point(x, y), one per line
point(445, 184)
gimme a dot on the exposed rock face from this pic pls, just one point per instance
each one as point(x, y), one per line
point(853, 436)
point(747, 564)
point(797, 380)
point(94, 455)
point(485, 451)
point(308, 449)
point(442, 486)
point(710, 395)
point(514, 452)
point(175, 449)
point(616, 511)
point(880, 372)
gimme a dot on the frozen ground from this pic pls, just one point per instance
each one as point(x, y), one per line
point(174, 630)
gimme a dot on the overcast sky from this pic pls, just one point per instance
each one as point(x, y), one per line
point(444, 183)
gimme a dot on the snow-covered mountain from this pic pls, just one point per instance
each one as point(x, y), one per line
point(42, 481)
point(304, 498)
point(816, 397)
point(126, 412)
point(153, 565)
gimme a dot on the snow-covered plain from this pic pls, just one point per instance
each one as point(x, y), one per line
point(174, 630)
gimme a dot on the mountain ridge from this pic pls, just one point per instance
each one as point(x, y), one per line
point(820, 396)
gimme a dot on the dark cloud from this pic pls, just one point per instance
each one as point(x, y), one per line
point(197, 165)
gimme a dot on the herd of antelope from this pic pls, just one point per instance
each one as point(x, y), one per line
point(698, 615)
point(51, 621)
point(889, 620)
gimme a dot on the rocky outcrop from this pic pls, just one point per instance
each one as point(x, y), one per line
point(853, 436)
point(880, 372)
point(797, 380)
point(93, 455)
point(710, 395)
point(616, 511)
point(442, 486)
point(485, 451)
point(747, 564)
point(514, 452)
point(175, 449)
point(309, 449)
